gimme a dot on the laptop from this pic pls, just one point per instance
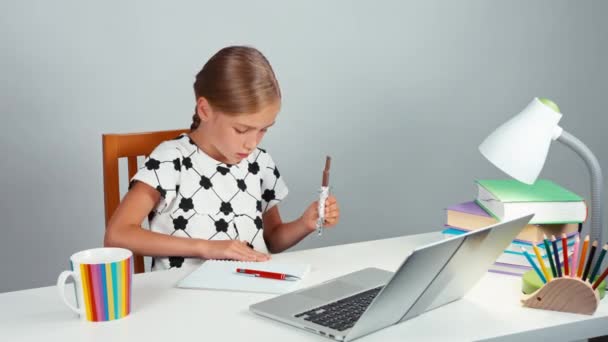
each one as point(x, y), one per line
point(368, 300)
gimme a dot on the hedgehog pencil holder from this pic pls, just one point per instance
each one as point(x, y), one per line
point(564, 294)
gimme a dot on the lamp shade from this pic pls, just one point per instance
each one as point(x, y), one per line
point(519, 146)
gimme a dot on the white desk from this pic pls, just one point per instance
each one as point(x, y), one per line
point(162, 312)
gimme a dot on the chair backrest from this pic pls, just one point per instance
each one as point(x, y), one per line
point(130, 146)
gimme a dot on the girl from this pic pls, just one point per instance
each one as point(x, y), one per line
point(212, 193)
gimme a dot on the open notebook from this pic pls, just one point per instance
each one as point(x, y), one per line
point(221, 275)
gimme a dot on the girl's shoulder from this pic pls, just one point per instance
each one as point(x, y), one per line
point(265, 163)
point(262, 157)
point(180, 146)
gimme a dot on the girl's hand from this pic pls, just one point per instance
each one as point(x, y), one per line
point(332, 214)
point(230, 249)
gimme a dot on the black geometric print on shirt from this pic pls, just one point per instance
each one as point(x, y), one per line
point(259, 225)
point(268, 195)
point(176, 261)
point(163, 192)
point(254, 168)
point(152, 164)
point(186, 204)
point(235, 229)
point(185, 164)
point(221, 226)
point(151, 216)
point(180, 223)
point(223, 170)
point(205, 182)
point(241, 184)
point(226, 208)
point(237, 236)
point(258, 222)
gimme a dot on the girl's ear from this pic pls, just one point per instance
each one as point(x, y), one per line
point(203, 109)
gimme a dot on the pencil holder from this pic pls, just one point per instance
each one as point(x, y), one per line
point(564, 294)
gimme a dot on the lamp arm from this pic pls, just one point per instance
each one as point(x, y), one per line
point(596, 230)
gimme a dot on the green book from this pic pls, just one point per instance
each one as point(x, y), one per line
point(551, 203)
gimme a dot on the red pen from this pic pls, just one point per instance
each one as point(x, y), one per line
point(266, 274)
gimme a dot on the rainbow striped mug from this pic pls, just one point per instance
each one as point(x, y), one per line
point(102, 282)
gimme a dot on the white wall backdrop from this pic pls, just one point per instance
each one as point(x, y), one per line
point(399, 93)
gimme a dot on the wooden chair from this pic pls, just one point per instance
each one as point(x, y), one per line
point(130, 146)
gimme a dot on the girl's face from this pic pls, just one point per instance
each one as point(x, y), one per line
point(234, 137)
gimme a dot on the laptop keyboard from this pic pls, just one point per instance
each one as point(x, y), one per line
point(342, 314)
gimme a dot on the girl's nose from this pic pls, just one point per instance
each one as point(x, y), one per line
point(250, 143)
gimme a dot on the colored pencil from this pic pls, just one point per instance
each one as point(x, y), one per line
point(599, 280)
point(551, 262)
point(565, 250)
point(598, 264)
point(577, 241)
point(540, 262)
point(589, 260)
point(540, 274)
point(582, 256)
point(558, 265)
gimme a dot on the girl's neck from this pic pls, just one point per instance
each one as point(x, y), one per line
point(202, 142)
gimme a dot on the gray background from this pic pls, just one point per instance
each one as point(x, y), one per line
point(399, 93)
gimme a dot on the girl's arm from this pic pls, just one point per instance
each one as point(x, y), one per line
point(124, 230)
point(280, 236)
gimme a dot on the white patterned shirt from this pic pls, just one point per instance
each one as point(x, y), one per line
point(207, 199)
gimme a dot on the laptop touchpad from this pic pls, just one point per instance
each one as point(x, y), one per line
point(332, 290)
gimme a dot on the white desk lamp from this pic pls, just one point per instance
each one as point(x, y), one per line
point(519, 148)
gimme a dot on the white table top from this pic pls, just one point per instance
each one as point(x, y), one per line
point(491, 310)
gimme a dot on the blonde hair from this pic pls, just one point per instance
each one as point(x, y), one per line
point(236, 80)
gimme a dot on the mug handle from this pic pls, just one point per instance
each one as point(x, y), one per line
point(61, 287)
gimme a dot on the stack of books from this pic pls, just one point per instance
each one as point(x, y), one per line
point(557, 211)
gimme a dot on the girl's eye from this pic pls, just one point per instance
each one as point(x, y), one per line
point(239, 131)
point(264, 130)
